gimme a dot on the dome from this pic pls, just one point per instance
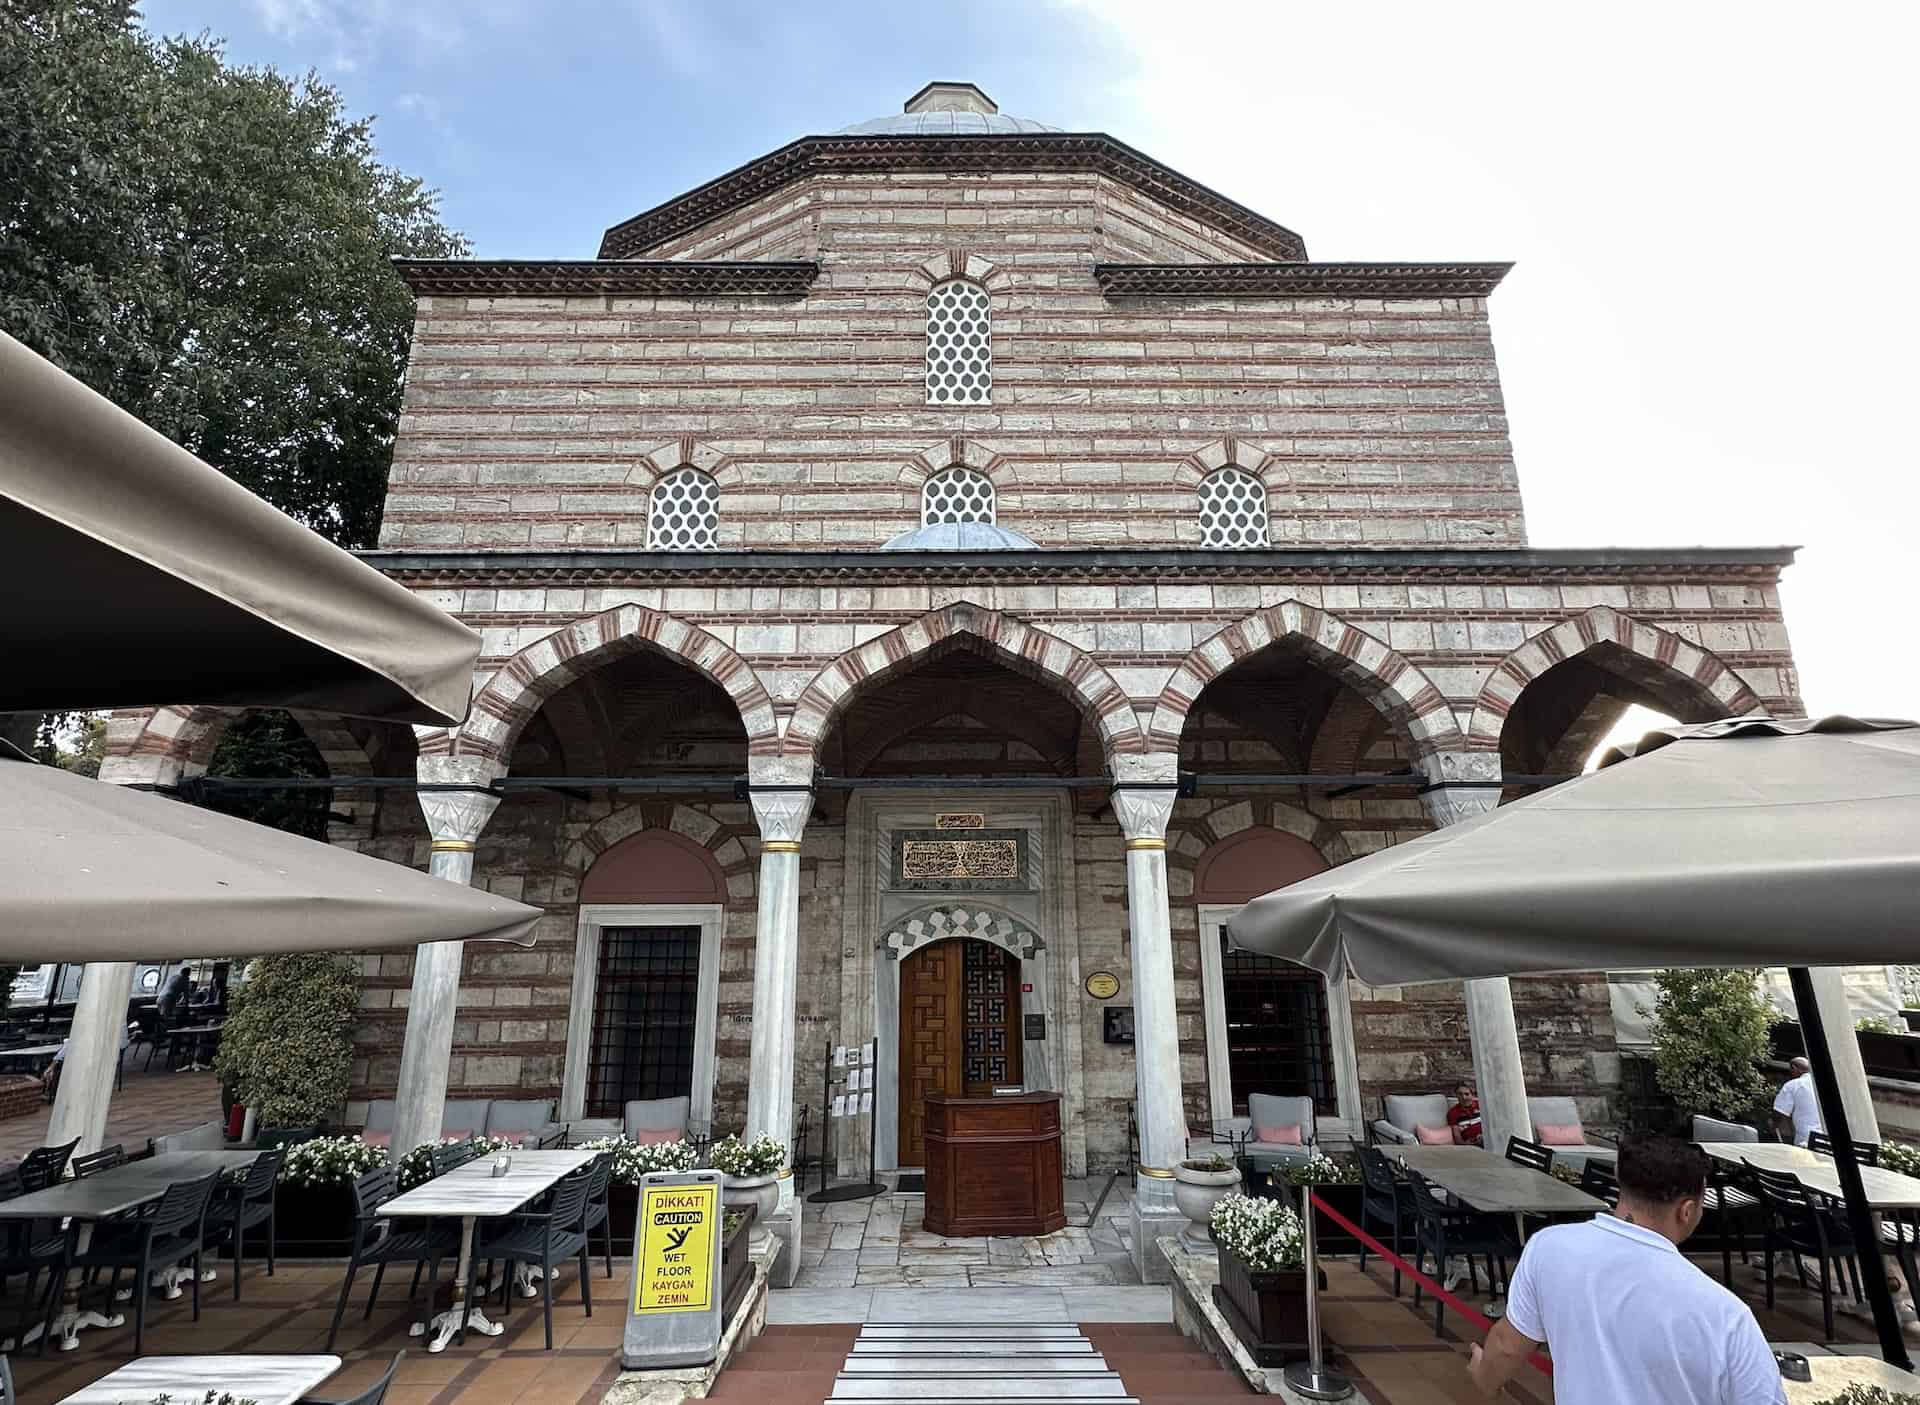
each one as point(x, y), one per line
point(961, 536)
point(946, 110)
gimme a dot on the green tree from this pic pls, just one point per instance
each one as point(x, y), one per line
point(286, 1048)
point(263, 745)
point(1709, 1033)
point(209, 246)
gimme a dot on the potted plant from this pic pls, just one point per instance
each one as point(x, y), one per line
point(752, 1171)
point(1336, 1181)
point(1709, 1032)
point(1263, 1283)
point(1197, 1185)
point(416, 1167)
point(736, 1266)
point(631, 1161)
point(287, 1044)
point(314, 1214)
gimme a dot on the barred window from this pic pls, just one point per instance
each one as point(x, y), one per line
point(684, 512)
point(956, 495)
point(1233, 509)
point(959, 345)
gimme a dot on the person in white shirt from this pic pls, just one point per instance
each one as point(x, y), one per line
point(1627, 1317)
point(1796, 1111)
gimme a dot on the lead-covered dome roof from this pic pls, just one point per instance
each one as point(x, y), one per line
point(946, 110)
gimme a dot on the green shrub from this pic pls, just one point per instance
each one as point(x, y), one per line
point(1709, 1031)
point(287, 1046)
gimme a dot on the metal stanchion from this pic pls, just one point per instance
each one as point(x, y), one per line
point(1311, 1378)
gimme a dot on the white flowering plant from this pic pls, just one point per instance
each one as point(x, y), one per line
point(330, 1161)
point(416, 1167)
point(1903, 1157)
point(1320, 1169)
point(1264, 1235)
point(632, 1160)
point(762, 1156)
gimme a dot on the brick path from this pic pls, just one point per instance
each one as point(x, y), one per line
point(150, 1105)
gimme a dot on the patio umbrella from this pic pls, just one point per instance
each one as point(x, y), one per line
point(99, 872)
point(1750, 842)
point(134, 573)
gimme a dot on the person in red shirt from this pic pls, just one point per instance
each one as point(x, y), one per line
point(1464, 1116)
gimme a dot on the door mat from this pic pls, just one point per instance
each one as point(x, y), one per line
point(911, 1185)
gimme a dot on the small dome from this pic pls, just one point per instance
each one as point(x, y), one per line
point(961, 536)
point(945, 109)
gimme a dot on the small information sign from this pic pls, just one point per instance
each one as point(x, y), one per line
point(673, 1316)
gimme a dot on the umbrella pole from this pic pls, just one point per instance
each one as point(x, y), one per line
point(1833, 1110)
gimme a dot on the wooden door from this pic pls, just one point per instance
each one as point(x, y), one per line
point(959, 1029)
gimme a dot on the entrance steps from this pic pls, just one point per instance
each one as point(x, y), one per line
point(976, 1363)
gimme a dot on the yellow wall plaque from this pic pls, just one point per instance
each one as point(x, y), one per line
point(1103, 985)
point(677, 1227)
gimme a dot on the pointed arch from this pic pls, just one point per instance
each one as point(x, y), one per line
point(1229, 452)
point(1642, 653)
point(685, 452)
point(956, 917)
point(956, 452)
point(544, 667)
point(1384, 677)
point(725, 850)
point(1020, 646)
point(960, 262)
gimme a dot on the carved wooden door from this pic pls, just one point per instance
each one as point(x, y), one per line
point(989, 1018)
point(930, 1039)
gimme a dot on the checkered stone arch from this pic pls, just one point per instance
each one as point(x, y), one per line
point(926, 925)
point(512, 696)
point(1702, 684)
point(1385, 678)
point(736, 862)
point(1044, 657)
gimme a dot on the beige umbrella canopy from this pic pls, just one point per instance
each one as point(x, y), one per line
point(133, 574)
point(93, 872)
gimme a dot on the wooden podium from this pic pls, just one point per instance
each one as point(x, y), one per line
point(993, 1165)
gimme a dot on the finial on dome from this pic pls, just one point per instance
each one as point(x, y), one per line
point(951, 97)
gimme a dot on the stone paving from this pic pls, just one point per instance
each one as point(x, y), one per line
point(150, 1105)
point(881, 1243)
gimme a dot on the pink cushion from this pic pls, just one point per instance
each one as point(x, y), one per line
point(1434, 1136)
point(1278, 1136)
point(1560, 1134)
point(377, 1138)
point(646, 1138)
point(510, 1138)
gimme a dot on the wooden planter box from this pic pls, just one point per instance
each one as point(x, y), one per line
point(311, 1222)
point(623, 1213)
point(736, 1268)
point(1268, 1311)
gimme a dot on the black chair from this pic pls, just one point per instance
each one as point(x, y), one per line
point(553, 1140)
point(1733, 1205)
point(104, 1159)
point(1448, 1231)
point(599, 1213)
point(45, 1165)
point(1864, 1153)
point(29, 1247)
point(1384, 1200)
point(1794, 1220)
point(372, 1395)
point(543, 1239)
point(1597, 1179)
point(377, 1242)
point(280, 1138)
point(244, 1203)
point(1533, 1155)
point(162, 1232)
point(448, 1155)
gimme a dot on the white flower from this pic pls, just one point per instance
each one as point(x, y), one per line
point(760, 1157)
point(330, 1161)
point(632, 1160)
point(1264, 1235)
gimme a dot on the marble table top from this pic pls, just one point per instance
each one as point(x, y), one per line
point(1833, 1374)
point(474, 1190)
point(108, 1193)
point(32, 1051)
point(1493, 1184)
point(271, 1380)
point(1886, 1190)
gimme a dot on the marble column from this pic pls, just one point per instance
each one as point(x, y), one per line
point(454, 819)
point(1843, 1050)
point(1497, 1074)
point(1160, 1109)
point(782, 816)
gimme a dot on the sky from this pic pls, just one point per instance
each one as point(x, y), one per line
point(1709, 336)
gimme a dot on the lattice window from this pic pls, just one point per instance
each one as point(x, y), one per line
point(645, 1003)
point(1233, 509)
point(1279, 1038)
point(956, 495)
point(959, 345)
point(684, 512)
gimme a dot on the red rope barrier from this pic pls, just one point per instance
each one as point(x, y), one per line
point(1473, 1315)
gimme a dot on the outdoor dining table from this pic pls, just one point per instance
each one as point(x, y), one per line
point(263, 1380)
point(103, 1195)
point(472, 1193)
point(1833, 1373)
point(1886, 1190)
point(31, 1051)
point(193, 1038)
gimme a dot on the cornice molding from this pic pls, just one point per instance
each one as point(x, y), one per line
point(553, 277)
point(1248, 280)
point(1019, 152)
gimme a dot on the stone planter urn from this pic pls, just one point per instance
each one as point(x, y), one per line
point(761, 1194)
point(1195, 1189)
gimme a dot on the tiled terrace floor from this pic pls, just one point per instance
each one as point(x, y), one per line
point(150, 1105)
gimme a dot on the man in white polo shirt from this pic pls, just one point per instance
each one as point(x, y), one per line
point(1796, 1111)
point(1628, 1319)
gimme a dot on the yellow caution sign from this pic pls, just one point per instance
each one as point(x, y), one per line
point(678, 1224)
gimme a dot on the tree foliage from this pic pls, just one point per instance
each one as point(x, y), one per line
point(286, 1046)
point(208, 246)
point(1709, 1032)
point(269, 745)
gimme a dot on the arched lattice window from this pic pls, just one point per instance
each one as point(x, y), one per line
point(684, 512)
point(1233, 509)
point(956, 495)
point(959, 345)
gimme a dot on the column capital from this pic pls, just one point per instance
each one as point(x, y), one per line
point(781, 814)
point(1462, 786)
point(456, 817)
point(1143, 814)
